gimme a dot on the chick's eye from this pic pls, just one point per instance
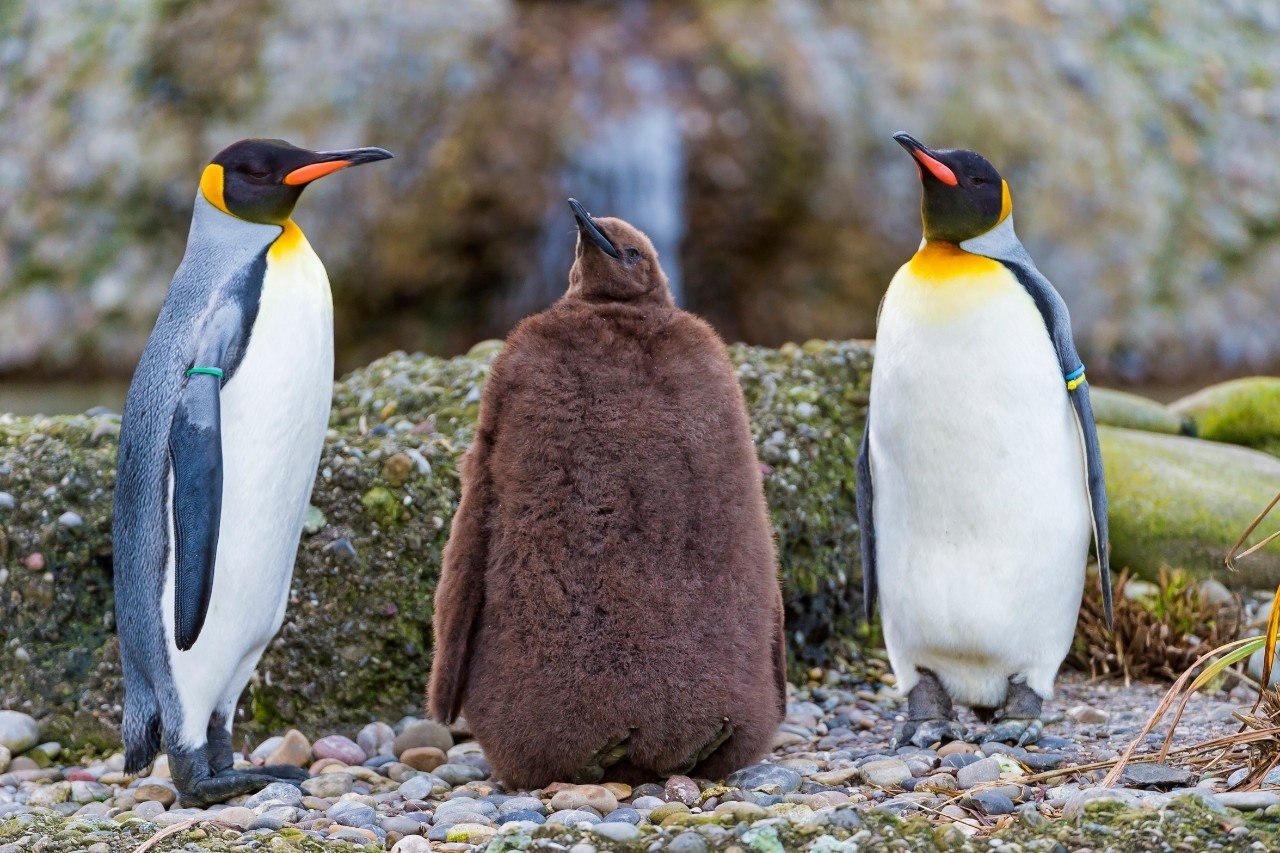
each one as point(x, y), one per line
point(633, 254)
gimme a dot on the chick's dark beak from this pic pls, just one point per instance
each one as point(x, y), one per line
point(928, 160)
point(328, 162)
point(587, 228)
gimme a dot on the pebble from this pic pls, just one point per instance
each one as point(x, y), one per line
point(421, 787)
point(339, 748)
point(329, 785)
point(886, 773)
point(352, 813)
point(573, 817)
point(992, 803)
point(422, 733)
point(620, 831)
point(682, 789)
point(70, 520)
point(1087, 715)
point(765, 777)
point(18, 732)
point(1249, 801)
point(647, 803)
point(424, 758)
point(458, 774)
point(624, 815)
point(687, 842)
point(979, 772)
point(155, 792)
point(517, 804)
point(1155, 776)
point(587, 796)
point(412, 844)
point(278, 793)
point(294, 749)
point(524, 815)
point(374, 736)
point(236, 816)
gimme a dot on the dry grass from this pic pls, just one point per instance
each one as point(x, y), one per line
point(1154, 637)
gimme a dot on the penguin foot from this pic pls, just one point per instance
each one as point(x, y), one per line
point(723, 733)
point(925, 733)
point(216, 789)
point(604, 758)
point(281, 773)
point(1018, 731)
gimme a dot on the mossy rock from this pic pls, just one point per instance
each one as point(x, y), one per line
point(1122, 409)
point(1242, 411)
point(1183, 502)
point(356, 642)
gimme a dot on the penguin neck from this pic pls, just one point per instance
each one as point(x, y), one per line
point(940, 261)
point(290, 241)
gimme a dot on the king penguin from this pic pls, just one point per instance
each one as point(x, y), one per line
point(222, 431)
point(979, 479)
point(609, 603)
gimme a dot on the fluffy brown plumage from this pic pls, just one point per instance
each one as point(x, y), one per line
point(611, 568)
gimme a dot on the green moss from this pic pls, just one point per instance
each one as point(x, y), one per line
point(1242, 411)
point(1118, 408)
point(1183, 502)
point(381, 505)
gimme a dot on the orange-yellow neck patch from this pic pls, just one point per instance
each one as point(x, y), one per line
point(939, 262)
point(291, 239)
point(211, 187)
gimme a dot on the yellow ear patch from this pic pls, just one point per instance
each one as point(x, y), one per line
point(1006, 201)
point(211, 187)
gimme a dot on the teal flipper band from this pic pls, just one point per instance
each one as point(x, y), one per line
point(211, 371)
point(1075, 378)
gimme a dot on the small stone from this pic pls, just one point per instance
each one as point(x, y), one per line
point(616, 831)
point(597, 797)
point(313, 521)
point(237, 816)
point(1249, 801)
point(647, 803)
point(516, 804)
point(412, 844)
point(769, 778)
point(276, 792)
point(397, 470)
point(18, 732)
point(992, 803)
point(352, 813)
point(956, 747)
point(49, 795)
point(421, 787)
point(831, 778)
point(886, 773)
point(422, 733)
point(295, 750)
point(687, 842)
point(70, 520)
point(34, 562)
point(372, 737)
point(457, 805)
point(458, 774)
point(424, 758)
point(5, 757)
point(339, 748)
point(1156, 776)
point(623, 815)
point(620, 790)
point(979, 772)
point(7, 501)
point(1088, 716)
point(403, 825)
point(262, 750)
point(573, 817)
point(742, 812)
point(666, 810)
point(155, 792)
point(681, 789)
point(329, 785)
point(523, 815)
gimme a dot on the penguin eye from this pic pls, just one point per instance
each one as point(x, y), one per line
point(257, 173)
point(977, 182)
point(632, 253)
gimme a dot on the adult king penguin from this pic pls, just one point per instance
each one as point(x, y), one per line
point(609, 604)
point(222, 432)
point(979, 477)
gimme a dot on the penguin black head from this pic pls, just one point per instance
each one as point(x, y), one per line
point(964, 195)
point(614, 261)
point(260, 180)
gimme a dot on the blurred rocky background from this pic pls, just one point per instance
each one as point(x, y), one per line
point(749, 139)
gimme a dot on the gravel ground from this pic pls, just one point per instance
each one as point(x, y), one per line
point(831, 784)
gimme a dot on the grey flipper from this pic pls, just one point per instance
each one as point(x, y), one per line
point(1001, 244)
point(195, 451)
point(222, 267)
point(865, 496)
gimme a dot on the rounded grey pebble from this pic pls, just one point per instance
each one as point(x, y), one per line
point(616, 831)
point(463, 805)
point(647, 803)
point(352, 813)
point(573, 817)
point(403, 825)
point(458, 774)
point(624, 815)
point(420, 787)
point(520, 804)
point(281, 792)
point(7, 501)
point(992, 803)
point(523, 816)
point(687, 842)
point(70, 520)
point(765, 777)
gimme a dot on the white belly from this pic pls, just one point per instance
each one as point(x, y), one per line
point(981, 504)
point(274, 414)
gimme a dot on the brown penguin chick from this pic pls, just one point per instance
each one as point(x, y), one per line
point(609, 604)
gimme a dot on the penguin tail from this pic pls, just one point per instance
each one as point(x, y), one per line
point(141, 732)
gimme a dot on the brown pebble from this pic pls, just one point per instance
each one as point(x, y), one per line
point(424, 758)
point(34, 562)
point(397, 470)
point(295, 749)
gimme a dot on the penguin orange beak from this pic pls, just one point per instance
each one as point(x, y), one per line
point(588, 228)
point(328, 162)
point(926, 159)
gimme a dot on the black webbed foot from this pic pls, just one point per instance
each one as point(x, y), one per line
point(281, 773)
point(926, 733)
point(930, 717)
point(1019, 721)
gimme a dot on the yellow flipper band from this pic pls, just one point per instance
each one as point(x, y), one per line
point(1075, 378)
